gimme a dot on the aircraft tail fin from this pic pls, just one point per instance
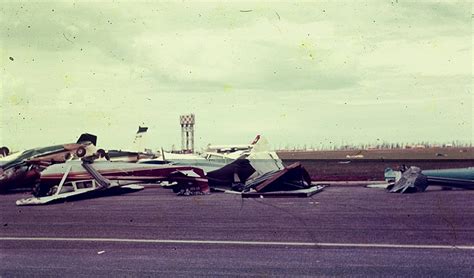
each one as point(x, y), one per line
point(255, 140)
point(139, 141)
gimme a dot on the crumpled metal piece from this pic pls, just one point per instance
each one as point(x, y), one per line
point(412, 181)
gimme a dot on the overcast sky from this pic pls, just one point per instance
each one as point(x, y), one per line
point(298, 73)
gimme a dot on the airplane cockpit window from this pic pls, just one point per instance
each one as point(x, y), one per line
point(83, 184)
point(67, 188)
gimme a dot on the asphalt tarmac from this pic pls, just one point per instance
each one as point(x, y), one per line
point(341, 231)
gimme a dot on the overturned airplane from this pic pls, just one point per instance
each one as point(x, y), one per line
point(22, 169)
point(76, 178)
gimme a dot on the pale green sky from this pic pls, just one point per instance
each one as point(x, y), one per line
point(298, 73)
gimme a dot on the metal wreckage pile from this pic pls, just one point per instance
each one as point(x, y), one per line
point(80, 170)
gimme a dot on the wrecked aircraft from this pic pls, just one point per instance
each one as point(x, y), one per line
point(81, 178)
point(244, 175)
point(251, 169)
point(22, 169)
point(416, 180)
point(260, 171)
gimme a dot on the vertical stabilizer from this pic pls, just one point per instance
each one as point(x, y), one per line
point(139, 142)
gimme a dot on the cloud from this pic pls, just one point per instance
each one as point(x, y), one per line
point(440, 56)
point(245, 58)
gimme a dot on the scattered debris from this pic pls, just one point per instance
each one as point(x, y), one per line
point(292, 193)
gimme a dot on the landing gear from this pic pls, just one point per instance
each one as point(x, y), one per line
point(40, 190)
point(4, 151)
point(80, 152)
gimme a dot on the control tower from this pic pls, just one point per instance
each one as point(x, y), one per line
point(187, 133)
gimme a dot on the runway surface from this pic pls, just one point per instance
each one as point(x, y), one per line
point(342, 231)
